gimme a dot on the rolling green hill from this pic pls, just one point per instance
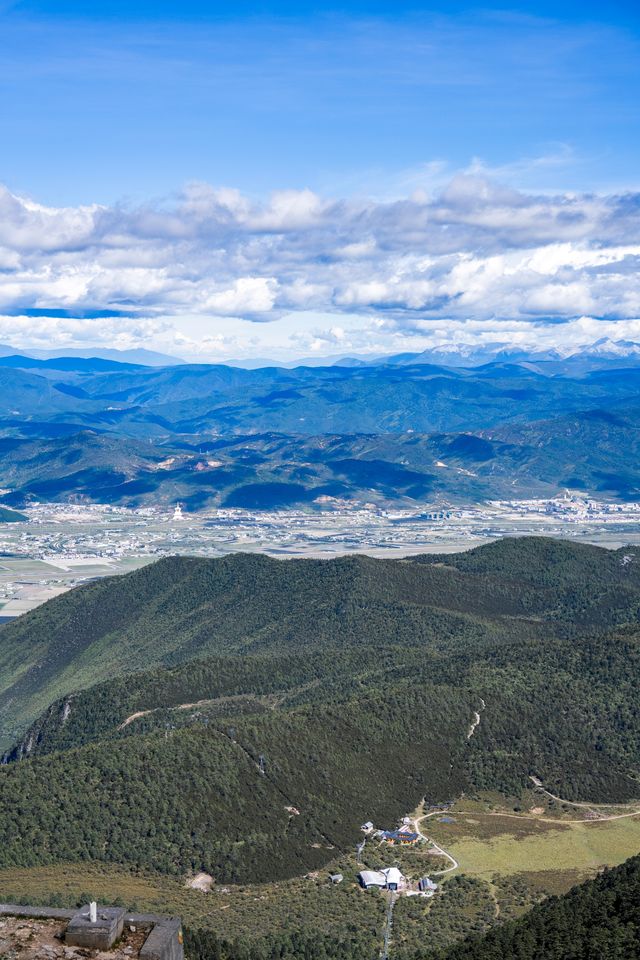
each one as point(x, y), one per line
point(182, 608)
point(243, 715)
point(356, 680)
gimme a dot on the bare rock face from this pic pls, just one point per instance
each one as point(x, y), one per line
point(201, 881)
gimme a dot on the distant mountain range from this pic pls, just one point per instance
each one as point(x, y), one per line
point(407, 431)
point(598, 355)
point(268, 470)
point(139, 355)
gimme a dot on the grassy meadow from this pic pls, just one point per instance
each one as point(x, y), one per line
point(486, 845)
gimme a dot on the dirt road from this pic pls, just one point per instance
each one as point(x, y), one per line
point(416, 826)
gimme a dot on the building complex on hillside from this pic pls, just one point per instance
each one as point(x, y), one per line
point(388, 879)
point(404, 837)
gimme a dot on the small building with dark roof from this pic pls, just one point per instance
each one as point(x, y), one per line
point(403, 837)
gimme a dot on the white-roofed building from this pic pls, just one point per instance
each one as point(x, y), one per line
point(393, 877)
point(372, 878)
point(388, 879)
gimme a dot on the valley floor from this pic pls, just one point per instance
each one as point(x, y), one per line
point(64, 545)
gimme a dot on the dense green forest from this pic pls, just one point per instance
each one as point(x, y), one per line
point(180, 609)
point(243, 716)
point(598, 920)
point(561, 697)
point(194, 797)
point(588, 748)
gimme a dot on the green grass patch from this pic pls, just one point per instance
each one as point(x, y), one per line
point(580, 846)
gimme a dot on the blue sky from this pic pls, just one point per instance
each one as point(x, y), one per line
point(128, 99)
point(366, 105)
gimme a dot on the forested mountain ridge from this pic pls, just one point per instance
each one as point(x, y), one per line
point(179, 798)
point(263, 470)
point(181, 608)
point(565, 710)
point(305, 400)
point(184, 608)
point(216, 435)
point(339, 674)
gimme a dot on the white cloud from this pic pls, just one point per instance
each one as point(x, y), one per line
point(247, 296)
point(475, 259)
point(54, 332)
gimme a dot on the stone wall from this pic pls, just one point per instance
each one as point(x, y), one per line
point(35, 913)
point(164, 941)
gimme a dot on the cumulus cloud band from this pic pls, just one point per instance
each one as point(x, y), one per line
point(475, 252)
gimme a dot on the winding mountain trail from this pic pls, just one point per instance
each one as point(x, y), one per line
point(416, 821)
point(538, 784)
point(496, 902)
point(232, 698)
point(605, 818)
point(476, 719)
point(135, 716)
point(179, 706)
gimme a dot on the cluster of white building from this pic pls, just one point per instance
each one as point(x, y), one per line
point(390, 878)
point(570, 507)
